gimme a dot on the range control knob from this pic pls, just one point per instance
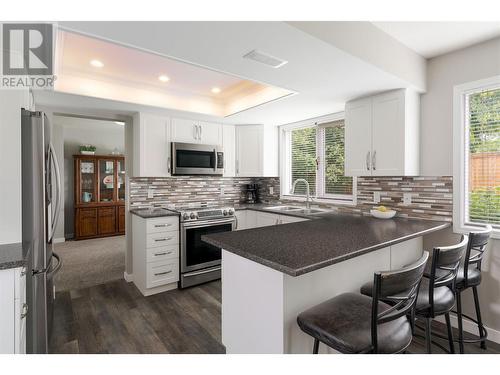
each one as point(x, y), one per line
point(224, 212)
point(193, 216)
point(231, 211)
point(185, 216)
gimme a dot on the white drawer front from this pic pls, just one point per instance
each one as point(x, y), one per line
point(162, 273)
point(162, 224)
point(162, 239)
point(161, 253)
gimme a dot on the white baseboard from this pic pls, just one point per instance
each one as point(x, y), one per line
point(471, 327)
point(59, 240)
point(128, 277)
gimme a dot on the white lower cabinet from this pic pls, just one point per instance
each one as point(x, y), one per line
point(13, 311)
point(155, 253)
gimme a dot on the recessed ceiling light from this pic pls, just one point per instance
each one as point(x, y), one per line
point(96, 63)
point(215, 90)
point(164, 78)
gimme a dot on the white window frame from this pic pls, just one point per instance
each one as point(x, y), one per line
point(285, 160)
point(460, 152)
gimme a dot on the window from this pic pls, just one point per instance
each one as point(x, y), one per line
point(477, 165)
point(314, 151)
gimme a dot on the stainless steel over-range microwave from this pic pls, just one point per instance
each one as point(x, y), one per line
point(196, 159)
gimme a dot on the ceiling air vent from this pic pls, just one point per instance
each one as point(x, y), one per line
point(264, 58)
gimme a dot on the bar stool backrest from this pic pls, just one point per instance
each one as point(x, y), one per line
point(399, 288)
point(475, 250)
point(444, 267)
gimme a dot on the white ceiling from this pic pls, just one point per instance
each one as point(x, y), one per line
point(430, 39)
point(131, 75)
point(324, 76)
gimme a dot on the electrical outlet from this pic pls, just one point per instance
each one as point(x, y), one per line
point(376, 197)
point(271, 190)
point(150, 193)
point(222, 191)
point(406, 199)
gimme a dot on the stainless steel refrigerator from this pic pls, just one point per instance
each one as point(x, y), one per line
point(41, 203)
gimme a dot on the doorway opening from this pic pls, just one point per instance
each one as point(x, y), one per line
point(90, 236)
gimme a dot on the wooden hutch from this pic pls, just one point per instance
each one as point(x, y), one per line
point(99, 201)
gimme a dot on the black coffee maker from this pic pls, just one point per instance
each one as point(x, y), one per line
point(252, 193)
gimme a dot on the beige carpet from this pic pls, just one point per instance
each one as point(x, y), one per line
point(90, 262)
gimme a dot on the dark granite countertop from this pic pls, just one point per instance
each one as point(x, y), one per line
point(12, 256)
point(302, 247)
point(148, 213)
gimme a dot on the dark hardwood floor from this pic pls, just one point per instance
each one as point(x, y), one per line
point(116, 318)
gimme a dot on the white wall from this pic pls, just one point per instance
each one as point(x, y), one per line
point(11, 102)
point(465, 65)
point(105, 135)
point(443, 72)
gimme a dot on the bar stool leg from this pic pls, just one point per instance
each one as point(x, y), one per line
point(460, 327)
point(478, 315)
point(450, 333)
point(428, 335)
point(316, 346)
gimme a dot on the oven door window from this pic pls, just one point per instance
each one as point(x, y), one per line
point(195, 159)
point(199, 252)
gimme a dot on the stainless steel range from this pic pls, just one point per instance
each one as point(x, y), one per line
point(201, 262)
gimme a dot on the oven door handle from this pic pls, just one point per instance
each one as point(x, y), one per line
point(206, 223)
point(215, 165)
point(196, 273)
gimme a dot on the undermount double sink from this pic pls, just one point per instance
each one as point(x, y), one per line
point(297, 210)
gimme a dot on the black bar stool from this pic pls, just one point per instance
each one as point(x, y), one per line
point(354, 323)
point(469, 276)
point(436, 295)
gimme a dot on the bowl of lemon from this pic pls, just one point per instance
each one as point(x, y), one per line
point(382, 212)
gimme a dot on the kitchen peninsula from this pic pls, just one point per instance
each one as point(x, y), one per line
point(271, 274)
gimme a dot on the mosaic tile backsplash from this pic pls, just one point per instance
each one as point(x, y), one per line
point(432, 197)
point(200, 189)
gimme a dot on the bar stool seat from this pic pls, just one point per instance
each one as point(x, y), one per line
point(344, 323)
point(443, 297)
point(473, 277)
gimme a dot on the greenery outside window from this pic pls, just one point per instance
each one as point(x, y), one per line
point(314, 151)
point(477, 159)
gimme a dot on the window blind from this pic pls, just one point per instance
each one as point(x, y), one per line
point(482, 165)
point(336, 183)
point(303, 163)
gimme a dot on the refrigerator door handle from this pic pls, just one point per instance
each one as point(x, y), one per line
point(55, 217)
point(52, 272)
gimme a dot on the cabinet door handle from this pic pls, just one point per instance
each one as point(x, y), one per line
point(166, 253)
point(24, 312)
point(368, 161)
point(168, 164)
point(195, 131)
point(237, 167)
point(162, 225)
point(162, 239)
point(162, 273)
point(201, 130)
point(374, 160)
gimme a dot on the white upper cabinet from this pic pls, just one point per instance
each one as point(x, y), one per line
point(151, 145)
point(249, 150)
point(256, 151)
point(192, 131)
point(382, 135)
point(229, 148)
point(358, 142)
